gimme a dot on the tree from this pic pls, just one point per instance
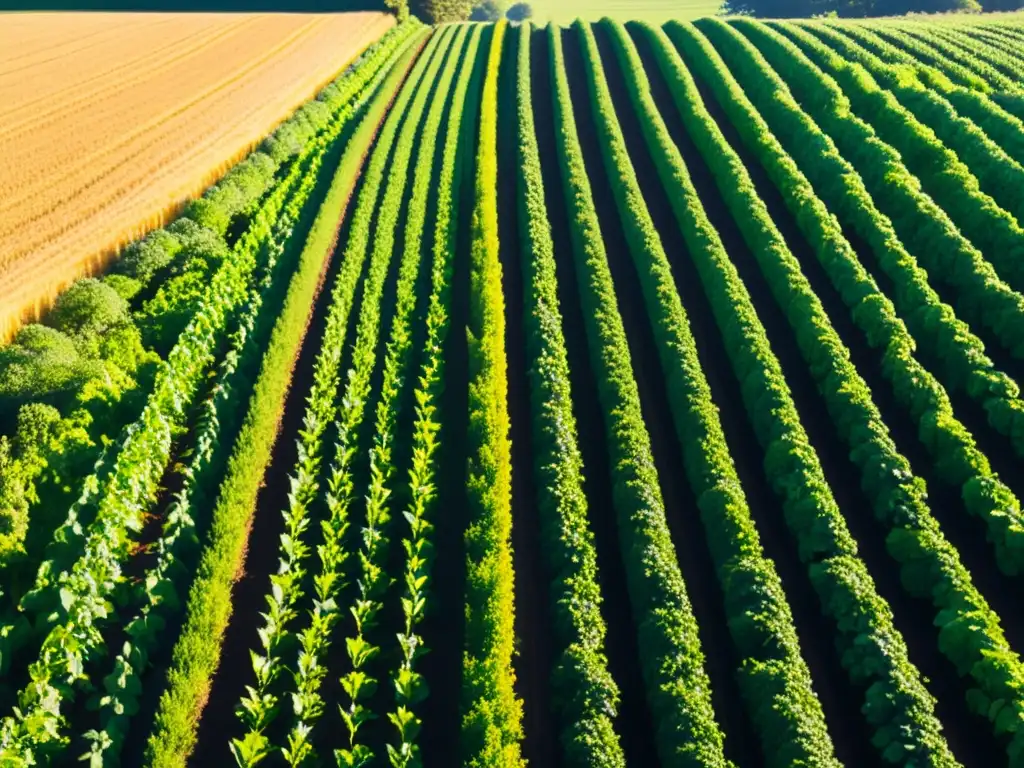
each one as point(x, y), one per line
point(41, 362)
point(487, 10)
point(519, 12)
point(88, 307)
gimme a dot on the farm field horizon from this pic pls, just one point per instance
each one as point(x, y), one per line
point(598, 394)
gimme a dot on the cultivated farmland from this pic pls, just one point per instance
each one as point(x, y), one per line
point(595, 395)
point(132, 114)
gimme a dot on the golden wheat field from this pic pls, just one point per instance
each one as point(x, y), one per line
point(109, 121)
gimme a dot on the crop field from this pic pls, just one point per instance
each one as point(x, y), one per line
point(590, 395)
point(134, 114)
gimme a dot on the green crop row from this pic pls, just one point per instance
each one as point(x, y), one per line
point(930, 565)
point(921, 51)
point(943, 170)
point(774, 679)
point(375, 581)
point(289, 583)
point(197, 651)
point(491, 712)
point(410, 687)
point(872, 650)
point(982, 298)
point(369, 573)
point(672, 662)
point(1003, 128)
point(944, 43)
point(996, 171)
point(585, 695)
point(948, 340)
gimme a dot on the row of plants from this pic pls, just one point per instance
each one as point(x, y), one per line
point(375, 582)
point(280, 636)
point(965, 133)
point(677, 686)
point(977, 105)
point(941, 167)
point(966, 70)
point(427, 436)
point(155, 599)
point(585, 695)
point(948, 441)
point(872, 650)
point(491, 711)
point(981, 297)
point(374, 585)
point(1004, 48)
point(943, 42)
point(774, 679)
point(994, 50)
point(922, 51)
point(969, 631)
point(371, 571)
point(197, 650)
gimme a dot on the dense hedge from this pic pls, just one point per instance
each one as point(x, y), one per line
point(585, 695)
point(677, 687)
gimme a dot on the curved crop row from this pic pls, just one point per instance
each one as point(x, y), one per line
point(948, 441)
point(197, 651)
point(678, 688)
point(1003, 128)
point(945, 46)
point(913, 728)
point(410, 688)
point(586, 697)
point(260, 706)
point(930, 565)
point(491, 712)
point(982, 298)
point(907, 728)
point(997, 172)
point(943, 170)
point(920, 50)
point(1003, 59)
point(774, 678)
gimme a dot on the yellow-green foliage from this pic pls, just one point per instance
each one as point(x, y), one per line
point(491, 724)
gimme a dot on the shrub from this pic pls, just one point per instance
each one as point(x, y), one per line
point(519, 12)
